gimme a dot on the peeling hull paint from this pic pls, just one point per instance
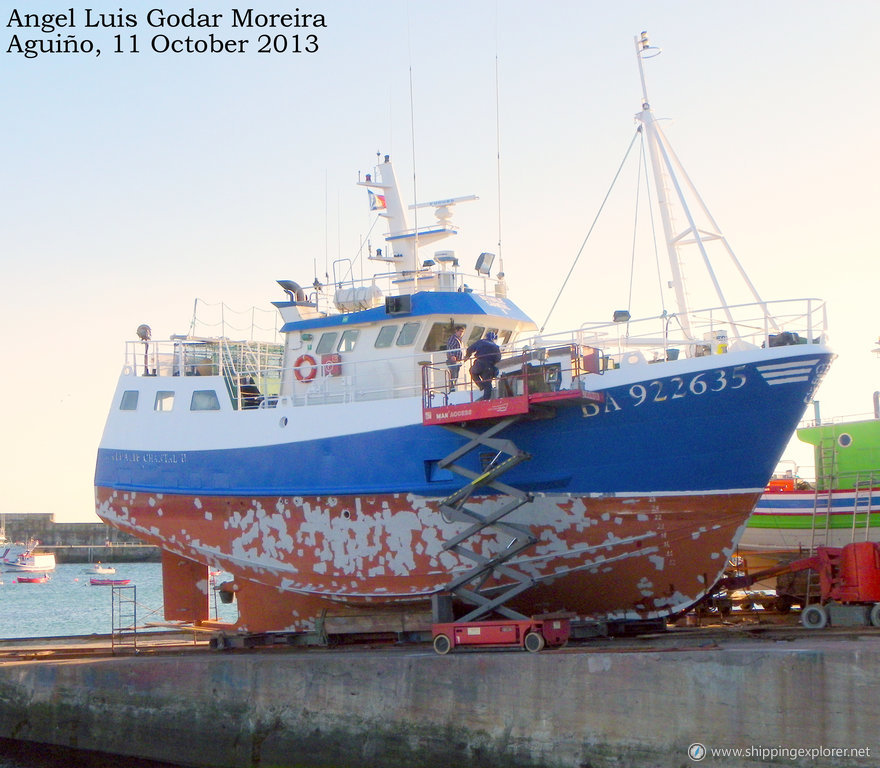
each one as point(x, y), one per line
point(294, 557)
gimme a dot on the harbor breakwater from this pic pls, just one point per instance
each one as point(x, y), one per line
point(405, 706)
point(104, 553)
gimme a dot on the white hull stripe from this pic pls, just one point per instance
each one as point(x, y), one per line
point(787, 373)
point(786, 380)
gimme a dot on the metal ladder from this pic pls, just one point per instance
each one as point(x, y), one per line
point(826, 479)
point(469, 586)
point(864, 497)
point(123, 617)
point(823, 502)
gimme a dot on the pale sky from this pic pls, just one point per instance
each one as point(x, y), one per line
point(135, 183)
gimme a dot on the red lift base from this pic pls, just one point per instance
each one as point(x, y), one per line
point(532, 634)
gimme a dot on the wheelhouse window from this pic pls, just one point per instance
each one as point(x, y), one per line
point(386, 336)
point(204, 400)
point(327, 343)
point(164, 401)
point(129, 400)
point(408, 334)
point(438, 336)
point(348, 340)
point(503, 336)
point(476, 333)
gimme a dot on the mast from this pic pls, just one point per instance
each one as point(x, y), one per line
point(671, 182)
point(404, 242)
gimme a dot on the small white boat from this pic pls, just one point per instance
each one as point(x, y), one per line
point(28, 561)
point(102, 570)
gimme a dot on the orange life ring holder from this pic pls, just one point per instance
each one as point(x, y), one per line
point(311, 370)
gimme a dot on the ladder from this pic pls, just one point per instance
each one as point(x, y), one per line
point(470, 585)
point(864, 488)
point(823, 506)
point(823, 498)
point(123, 617)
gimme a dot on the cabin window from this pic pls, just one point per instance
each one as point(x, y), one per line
point(503, 336)
point(476, 333)
point(327, 343)
point(129, 400)
point(164, 401)
point(204, 400)
point(386, 336)
point(348, 340)
point(438, 336)
point(408, 334)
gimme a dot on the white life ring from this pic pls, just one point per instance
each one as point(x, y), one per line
point(311, 368)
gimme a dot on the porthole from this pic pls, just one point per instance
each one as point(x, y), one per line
point(844, 440)
point(282, 422)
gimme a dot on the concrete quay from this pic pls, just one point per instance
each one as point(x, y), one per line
point(622, 703)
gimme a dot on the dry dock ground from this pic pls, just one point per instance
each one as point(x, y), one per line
point(741, 695)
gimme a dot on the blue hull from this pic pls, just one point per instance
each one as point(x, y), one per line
point(723, 428)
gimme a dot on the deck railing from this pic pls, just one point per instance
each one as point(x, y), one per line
point(661, 338)
point(254, 370)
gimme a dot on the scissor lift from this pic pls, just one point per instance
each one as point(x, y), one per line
point(467, 586)
point(480, 422)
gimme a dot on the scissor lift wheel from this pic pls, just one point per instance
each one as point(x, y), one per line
point(442, 644)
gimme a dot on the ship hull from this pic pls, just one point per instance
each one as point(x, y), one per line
point(627, 557)
point(639, 500)
point(846, 507)
point(787, 524)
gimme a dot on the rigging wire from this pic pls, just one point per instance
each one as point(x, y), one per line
point(326, 227)
point(632, 260)
point(498, 149)
point(223, 323)
point(592, 226)
point(412, 128)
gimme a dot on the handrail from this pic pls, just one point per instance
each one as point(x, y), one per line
point(797, 321)
point(611, 344)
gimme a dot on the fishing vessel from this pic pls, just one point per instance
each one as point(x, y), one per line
point(840, 505)
point(27, 560)
point(346, 470)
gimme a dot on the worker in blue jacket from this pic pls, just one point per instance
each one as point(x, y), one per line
point(486, 354)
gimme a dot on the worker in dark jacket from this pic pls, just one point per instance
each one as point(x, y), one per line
point(486, 356)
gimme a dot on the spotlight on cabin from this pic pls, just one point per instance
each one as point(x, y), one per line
point(484, 263)
point(621, 316)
